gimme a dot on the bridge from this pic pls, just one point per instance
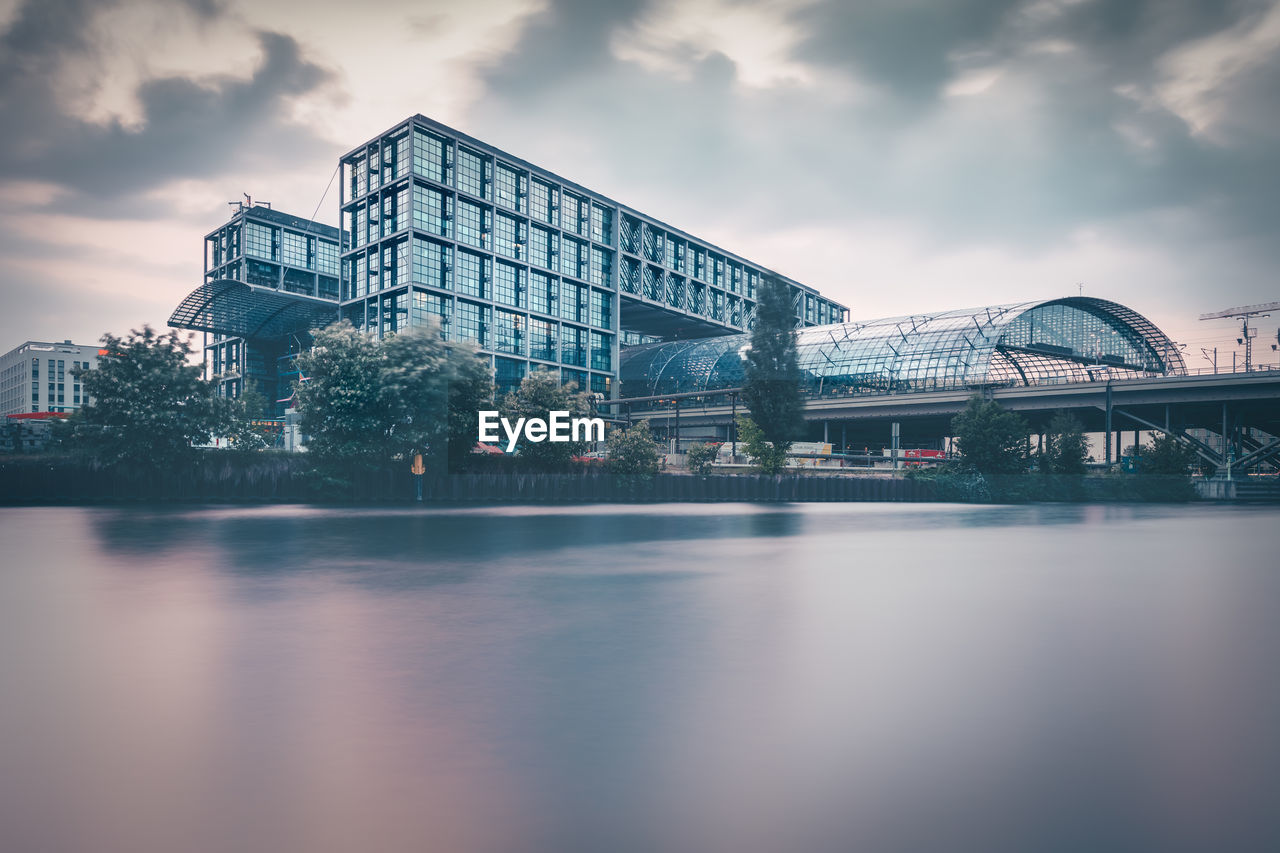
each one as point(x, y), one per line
point(1198, 409)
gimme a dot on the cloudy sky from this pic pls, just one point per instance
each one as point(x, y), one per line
point(899, 155)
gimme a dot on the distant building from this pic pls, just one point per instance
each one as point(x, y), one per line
point(36, 377)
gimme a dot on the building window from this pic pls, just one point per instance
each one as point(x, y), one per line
point(509, 284)
point(473, 223)
point(259, 241)
point(430, 156)
point(508, 236)
point(428, 306)
point(295, 250)
point(602, 309)
point(601, 266)
point(572, 301)
point(473, 173)
point(508, 332)
point(471, 323)
point(543, 201)
point(573, 213)
point(544, 247)
point(602, 224)
point(573, 257)
point(509, 187)
point(601, 351)
point(327, 257)
point(573, 346)
point(542, 292)
point(431, 263)
point(543, 339)
point(432, 210)
point(472, 274)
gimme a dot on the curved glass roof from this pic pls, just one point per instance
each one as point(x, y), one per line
point(1058, 340)
point(229, 307)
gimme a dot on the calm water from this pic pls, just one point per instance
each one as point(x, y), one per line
point(672, 678)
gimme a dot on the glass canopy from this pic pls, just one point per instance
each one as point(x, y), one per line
point(1060, 340)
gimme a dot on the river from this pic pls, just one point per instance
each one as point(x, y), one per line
point(745, 678)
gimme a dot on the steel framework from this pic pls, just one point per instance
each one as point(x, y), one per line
point(1058, 340)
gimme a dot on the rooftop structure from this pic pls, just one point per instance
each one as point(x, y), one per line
point(1058, 340)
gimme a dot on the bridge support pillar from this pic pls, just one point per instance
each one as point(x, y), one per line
point(1107, 436)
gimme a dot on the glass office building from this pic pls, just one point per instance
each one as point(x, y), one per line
point(533, 268)
point(437, 227)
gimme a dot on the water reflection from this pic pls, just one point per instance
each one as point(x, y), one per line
point(701, 678)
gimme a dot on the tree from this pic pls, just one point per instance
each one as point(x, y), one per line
point(147, 403)
point(340, 396)
point(470, 390)
point(415, 376)
point(368, 401)
point(242, 434)
point(1165, 454)
point(1066, 446)
point(700, 458)
point(771, 385)
point(539, 394)
point(990, 439)
point(769, 458)
point(633, 452)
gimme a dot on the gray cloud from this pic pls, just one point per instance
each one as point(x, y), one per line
point(1058, 140)
point(190, 128)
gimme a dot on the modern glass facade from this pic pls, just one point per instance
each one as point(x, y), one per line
point(437, 227)
point(536, 270)
point(1061, 340)
point(266, 248)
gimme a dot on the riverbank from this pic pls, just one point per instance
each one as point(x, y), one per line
point(228, 477)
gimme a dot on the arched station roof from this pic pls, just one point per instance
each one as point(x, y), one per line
point(233, 308)
point(1056, 340)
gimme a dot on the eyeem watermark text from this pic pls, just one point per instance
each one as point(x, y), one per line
point(558, 426)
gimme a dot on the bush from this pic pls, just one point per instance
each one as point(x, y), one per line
point(768, 458)
point(700, 458)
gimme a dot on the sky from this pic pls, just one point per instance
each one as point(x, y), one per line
point(900, 156)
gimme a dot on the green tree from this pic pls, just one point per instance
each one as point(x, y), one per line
point(539, 394)
point(242, 434)
point(1066, 446)
point(633, 452)
point(990, 439)
point(769, 458)
point(470, 390)
point(368, 401)
point(1165, 454)
point(700, 458)
point(771, 383)
point(414, 380)
point(148, 404)
point(340, 396)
